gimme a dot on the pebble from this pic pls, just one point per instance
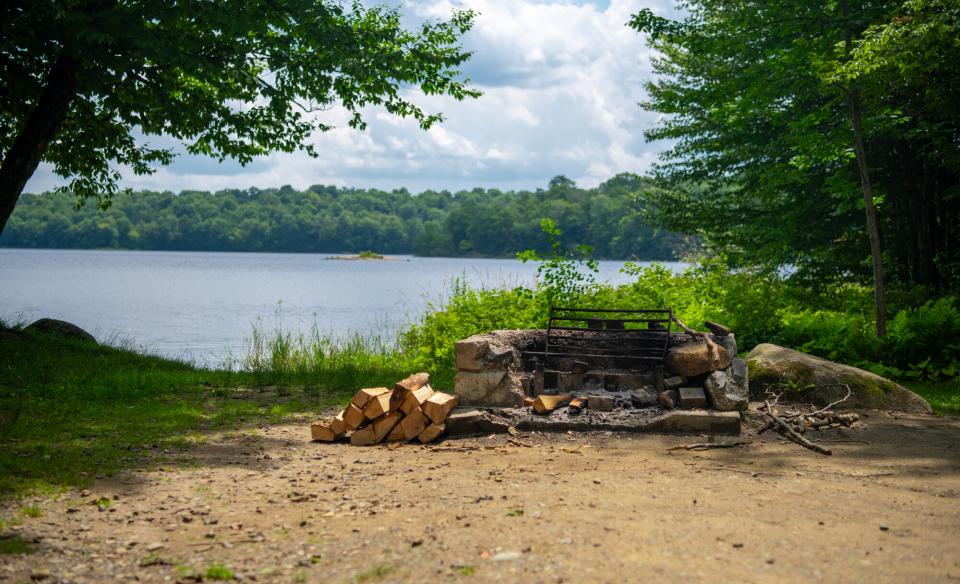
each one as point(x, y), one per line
point(506, 556)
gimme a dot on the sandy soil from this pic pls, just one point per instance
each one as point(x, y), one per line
point(272, 506)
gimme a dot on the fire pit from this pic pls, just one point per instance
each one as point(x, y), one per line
point(597, 368)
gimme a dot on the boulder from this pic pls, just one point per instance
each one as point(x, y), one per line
point(771, 365)
point(644, 397)
point(723, 391)
point(694, 358)
point(62, 328)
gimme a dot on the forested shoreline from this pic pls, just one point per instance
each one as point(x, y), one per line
point(476, 223)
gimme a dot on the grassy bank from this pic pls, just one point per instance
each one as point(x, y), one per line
point(71, 411)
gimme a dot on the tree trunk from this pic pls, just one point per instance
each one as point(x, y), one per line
point(46, 119)
point(873, 231)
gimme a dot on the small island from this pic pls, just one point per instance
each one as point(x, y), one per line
point(363, 255)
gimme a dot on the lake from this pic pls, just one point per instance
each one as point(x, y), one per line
point(201, 305)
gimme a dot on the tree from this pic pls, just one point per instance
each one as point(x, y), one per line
point(87, 83)
point(787, 130)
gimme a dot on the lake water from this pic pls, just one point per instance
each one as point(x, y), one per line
point(201, 305)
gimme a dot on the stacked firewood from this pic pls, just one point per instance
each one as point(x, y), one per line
point(412, 410)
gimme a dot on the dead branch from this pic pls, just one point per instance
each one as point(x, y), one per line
point(709, 445)
point(714, 350)
point(785, 429)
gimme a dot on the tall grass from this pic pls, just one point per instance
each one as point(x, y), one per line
point(318, 363)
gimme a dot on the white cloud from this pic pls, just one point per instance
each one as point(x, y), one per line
point(561, 82)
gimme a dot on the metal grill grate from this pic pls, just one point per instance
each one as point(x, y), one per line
point(640, 336)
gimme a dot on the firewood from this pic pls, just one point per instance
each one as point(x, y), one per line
point(364, 436)
point(714, 350)
point(337, 425)
point(378, 406)
point(363, 397)
point(413, 425)
point(322, 431)
point(414, 382)
point(544, 404)
point(438, 406)
point(528, 401)
point(415, 399)
point(576, 405)
point(396, 435)
point(384, 424)
point(403, 388)
point(431, 433)
point(353, 418)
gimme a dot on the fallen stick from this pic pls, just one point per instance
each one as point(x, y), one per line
point(709, 445)
point(787, 431)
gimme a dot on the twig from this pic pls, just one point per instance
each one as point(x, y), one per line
point(714, 350)
point(787, 431)
point(710, 445)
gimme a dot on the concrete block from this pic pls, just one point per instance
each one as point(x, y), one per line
point(600, 403)
point(692, 397)
point(700, 421)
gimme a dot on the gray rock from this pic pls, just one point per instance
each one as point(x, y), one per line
point(62, 328)
point(473, 422)
point(644, 397)
point(728, 342)
point(725, 393)
point(675, 382)
point(770, 365)
point(669, 398)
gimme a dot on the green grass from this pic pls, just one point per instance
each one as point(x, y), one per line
point(219, 572)
point(71, 411)
point(377, 572)
point(15, 545)
point(943, 396)
point(32, 511)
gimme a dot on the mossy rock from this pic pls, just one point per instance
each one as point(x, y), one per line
point(771, 365)
point(61, 328)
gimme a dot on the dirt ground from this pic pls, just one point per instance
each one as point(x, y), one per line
point(273, 507)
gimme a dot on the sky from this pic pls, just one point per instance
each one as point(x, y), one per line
point(561, 81)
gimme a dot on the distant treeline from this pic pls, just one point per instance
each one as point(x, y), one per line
point(476, 223)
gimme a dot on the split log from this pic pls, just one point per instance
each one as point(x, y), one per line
point(353, 418)
point(363, 397)
point(378, 406)
point(322, 431)
point(528, 401)
point(364, 436)
point(413, 425)
point(396, 435)
point(413, 383)
point(337, 424)
point(544, 404)
point(384, 424)
point(438, 406)
point(576, 405)
point(431, 433)
point(403, 388)
point(415, 399)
